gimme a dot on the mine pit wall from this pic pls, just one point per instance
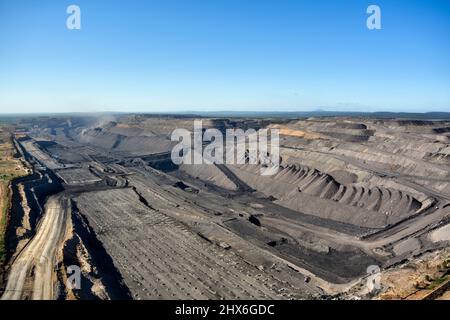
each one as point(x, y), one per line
point(36, 187)
point(311, 192)
point(100, 279)
point(3, 264)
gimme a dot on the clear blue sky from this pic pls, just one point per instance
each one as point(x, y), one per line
point(267, 55)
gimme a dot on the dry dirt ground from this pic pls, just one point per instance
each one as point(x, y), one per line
point(415, 280)
point(10, 168)
point(39, 255)
point(350, 194)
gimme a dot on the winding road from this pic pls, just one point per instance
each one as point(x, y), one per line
point(37, 259)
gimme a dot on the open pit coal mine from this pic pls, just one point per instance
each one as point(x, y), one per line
point(104, 196)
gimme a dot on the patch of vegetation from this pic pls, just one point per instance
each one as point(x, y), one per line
point(431, 283)
point(436, 282)
point(10, 168)
point(3, 221)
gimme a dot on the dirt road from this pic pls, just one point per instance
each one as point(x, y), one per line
point(32, 273)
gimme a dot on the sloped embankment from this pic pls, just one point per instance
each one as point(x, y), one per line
point(125, 142)
point(99, 277)
point(313, 192)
